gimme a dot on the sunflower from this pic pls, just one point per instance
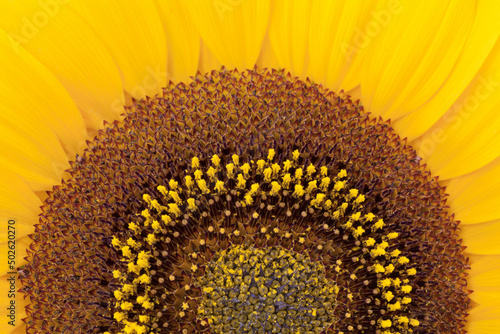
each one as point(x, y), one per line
point(250, 166)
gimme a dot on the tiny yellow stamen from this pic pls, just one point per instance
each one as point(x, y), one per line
point(133, 226)
point(126, 251)
point(388, 295)
point(271, 154)
point(211, 173)
point(198, 174)
point(230, 170)
point(310, 170)
point(299, 190)
point(116, 242)
point(216, 160)
point(369, 242)
point(191, 204)
point(411, 271)
point(395, 253)
point(286, 180)
point(145, 279)
point(360, 199)
point(369, 217)
point(195, 162)
point(406, 288)
point(298, 173)
point(379, 224)
point(163, 190)
point(384, 283)
point(248, 200)
point(173, 184)
point(127, 306)
point(287, 165)
point(174, 209)
point(406, 300)
point(117, 274)
point(394, 307)
point(188, 180)
point(342, 173)
point(311, 186)
point(325, 182)
point(241, 182)
point(175, 196)
point(358, 231)
point(275, 188)
point(245, 168)
point(119, 316)
point(318, 200)
point(219, 186)
point(118, 294)
point(166, 219)
point(128, 288)
point(268, 173)
point(260, 165)
point(339, 185)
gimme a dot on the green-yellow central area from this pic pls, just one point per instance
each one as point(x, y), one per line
point(271, 289)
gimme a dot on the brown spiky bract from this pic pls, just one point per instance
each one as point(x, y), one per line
point(69, 276)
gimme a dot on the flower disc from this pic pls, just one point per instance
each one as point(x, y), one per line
point(344, 230)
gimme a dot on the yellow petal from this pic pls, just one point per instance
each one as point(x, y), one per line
point(480, 41)
point(208, 61)
point(21, 329)
point(268, 58)
point(32, 151)
point(414, 55)
point(289, 33)
point(337, 39)
point(31, 94)
point(481, 238)
point(134, 36)
point(474, 198)
point(30, 145)
point(467, 137)
point(69, 48)
point(483, 320)
point(17, 202)
point(233, 30)
point(484, 279)
point(183, 40)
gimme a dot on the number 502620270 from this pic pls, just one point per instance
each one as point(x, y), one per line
point(11, 253)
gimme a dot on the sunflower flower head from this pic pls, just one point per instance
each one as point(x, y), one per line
point(260, 203)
